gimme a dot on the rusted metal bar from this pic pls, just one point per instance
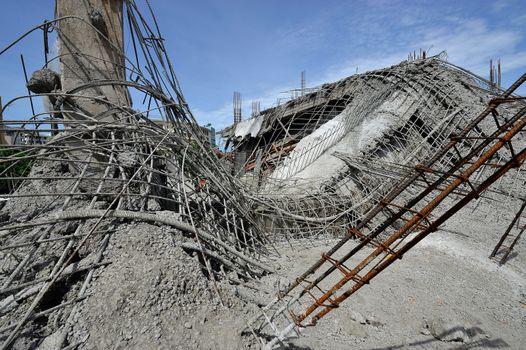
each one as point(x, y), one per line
point(508, 230)
point(416, 219)
point(408, 181)
point(510, 248)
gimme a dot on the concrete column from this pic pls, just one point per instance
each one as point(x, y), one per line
point(87, 54)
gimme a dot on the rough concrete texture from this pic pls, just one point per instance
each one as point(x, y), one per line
point(43, 81)
point(88, 55)
point(376, 110)
point(155, 295)
point(444, 294)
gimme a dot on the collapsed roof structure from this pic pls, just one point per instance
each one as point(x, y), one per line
point(365, 131)
point(400, 158)
point(377, 160)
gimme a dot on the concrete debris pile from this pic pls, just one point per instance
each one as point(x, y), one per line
point(288, 138)
point(489, 148)
point(337, 152)
point(381, 159)
point(104, 167)
point(119, 230)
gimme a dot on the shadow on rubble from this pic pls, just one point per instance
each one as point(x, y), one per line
point(284, 346)
point(510, 257)
point(294, 347)
point(484, 343)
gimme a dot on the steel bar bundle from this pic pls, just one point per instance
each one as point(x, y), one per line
point(91, 163)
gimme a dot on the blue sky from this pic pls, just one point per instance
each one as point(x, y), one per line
point(260, 47)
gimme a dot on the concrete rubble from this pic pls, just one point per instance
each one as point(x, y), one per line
point(120, 232)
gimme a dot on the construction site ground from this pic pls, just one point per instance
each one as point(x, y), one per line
point(444, 294)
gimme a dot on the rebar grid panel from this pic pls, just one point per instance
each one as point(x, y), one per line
point(428, 88)
point(100, 170)
point(442, 101)
point(410, 214)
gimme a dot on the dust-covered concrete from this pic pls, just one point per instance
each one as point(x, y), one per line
point(444, 294)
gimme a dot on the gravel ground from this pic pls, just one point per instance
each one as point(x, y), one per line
point(155, 295)
point(444, 294)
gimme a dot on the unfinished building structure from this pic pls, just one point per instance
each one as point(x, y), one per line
point(121, 232)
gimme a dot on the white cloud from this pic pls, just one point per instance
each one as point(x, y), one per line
point(469, 42)
point(219, 118)
point(513, 61)
point(500, 5)
point(472, 44)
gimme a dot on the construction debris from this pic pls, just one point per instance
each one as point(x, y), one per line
point(109, 165)
point(405, 218)
point(121, 231)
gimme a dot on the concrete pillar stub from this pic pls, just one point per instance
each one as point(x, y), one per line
point(86, 55)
